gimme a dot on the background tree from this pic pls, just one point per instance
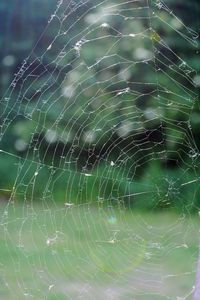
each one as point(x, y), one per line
point(78, 99)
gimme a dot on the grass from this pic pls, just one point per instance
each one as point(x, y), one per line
point(83, 252)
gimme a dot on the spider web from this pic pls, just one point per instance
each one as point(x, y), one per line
point(103, 110)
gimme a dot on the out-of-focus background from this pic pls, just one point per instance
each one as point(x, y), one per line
point(97, 95)
point(99, 120)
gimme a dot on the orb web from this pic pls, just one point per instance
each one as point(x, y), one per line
point(104, 159)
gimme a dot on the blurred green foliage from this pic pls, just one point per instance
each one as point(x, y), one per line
point(78, 103)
